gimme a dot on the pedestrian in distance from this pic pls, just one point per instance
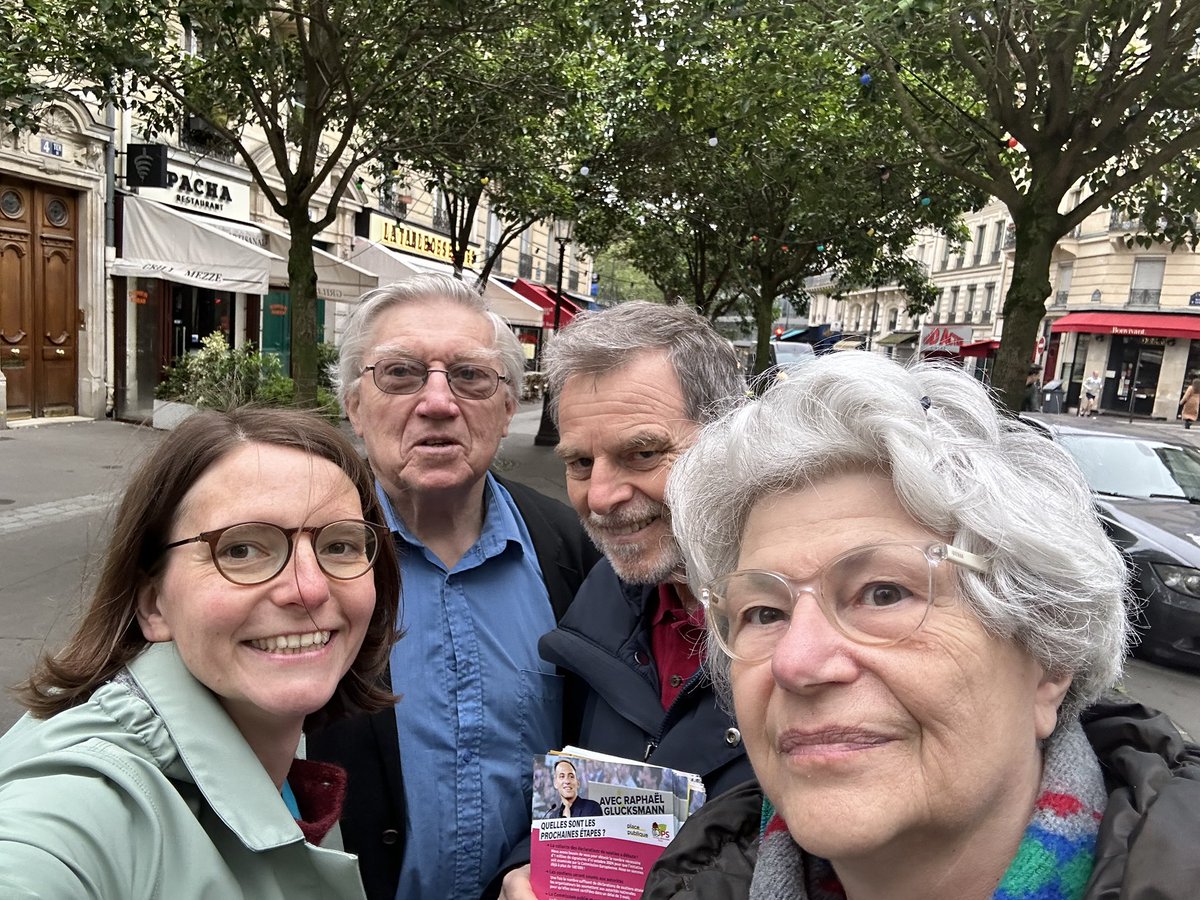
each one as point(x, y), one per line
point(1089, 404)
point(1030, 402)
point(248, 592)
point(430, 380)
point(1190, 404)
point(914, 608)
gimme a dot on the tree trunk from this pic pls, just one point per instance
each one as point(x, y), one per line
point(302, 288)
point(1025, 303)
point(764, 318)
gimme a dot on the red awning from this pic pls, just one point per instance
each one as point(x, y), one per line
point(980, 348)
point(1136, 324)
point(544, 297)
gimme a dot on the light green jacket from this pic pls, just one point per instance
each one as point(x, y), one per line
point(130, 797)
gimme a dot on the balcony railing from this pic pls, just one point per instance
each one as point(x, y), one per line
point(1060, 298)
point(525, 266)
point(1118, 221)
point(996, 255)
point(985, 317)
point(1143, 297)
point(1010, 236)
point(977, 260)
point(441, 220)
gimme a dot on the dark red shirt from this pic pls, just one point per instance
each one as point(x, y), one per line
point(677, 642)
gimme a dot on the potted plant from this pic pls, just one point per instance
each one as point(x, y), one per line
point(218, 376)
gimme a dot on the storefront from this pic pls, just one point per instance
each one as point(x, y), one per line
point(177, 281)
point(1145, 359)
point(984, 354)
point(192, 261)
point(899, 345)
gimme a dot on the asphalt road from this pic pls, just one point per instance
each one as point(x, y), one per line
point(58, 482)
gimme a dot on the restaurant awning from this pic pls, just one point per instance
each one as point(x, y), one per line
point(544, 297)
point(391, 265)
point(980, 348)
point(850, 343)
point(159, 242)
point(897, 339)
point(338, 281)
point(1136, 324)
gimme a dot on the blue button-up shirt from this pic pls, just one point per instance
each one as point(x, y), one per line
point(477, 700)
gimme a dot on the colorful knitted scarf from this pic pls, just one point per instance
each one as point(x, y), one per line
point(1054, 860)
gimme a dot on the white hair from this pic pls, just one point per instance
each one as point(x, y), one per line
point(419, 289)
point(1058, 587)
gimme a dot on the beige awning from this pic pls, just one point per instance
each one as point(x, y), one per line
point(854, 343)
point(338, 281)
point(392, 265)
point(158, 241)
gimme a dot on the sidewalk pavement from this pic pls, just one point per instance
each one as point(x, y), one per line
point(49, 472)
point(1158, 429)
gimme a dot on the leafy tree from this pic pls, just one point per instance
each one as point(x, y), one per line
point(1026, 99)
point(741, 149)
point(304, 92)
point(514, 142)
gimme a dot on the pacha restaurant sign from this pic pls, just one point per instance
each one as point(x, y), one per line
point(411, 239)
point(195, 189)
point(944, 338)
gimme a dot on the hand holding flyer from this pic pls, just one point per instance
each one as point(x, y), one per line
point(601, 846)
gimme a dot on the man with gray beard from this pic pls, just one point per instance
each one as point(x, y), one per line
point(632, 387)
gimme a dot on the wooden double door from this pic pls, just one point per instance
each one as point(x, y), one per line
point(39, 311)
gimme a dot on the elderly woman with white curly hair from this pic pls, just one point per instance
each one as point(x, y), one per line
point(914, 610)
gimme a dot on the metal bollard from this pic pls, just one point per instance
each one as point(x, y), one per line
point(3, 401)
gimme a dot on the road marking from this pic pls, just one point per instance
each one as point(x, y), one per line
point(54, 511)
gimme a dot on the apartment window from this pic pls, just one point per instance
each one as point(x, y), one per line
point(1146, 288)
point(980, 234)
point(441, 218)
point(989, 294)
point(893, 319)
point(525, 259)
point(1073, 200)
point(970, 311)
point(946, 255)
point(998, 240)
point(953, 316)
point(1063, 283)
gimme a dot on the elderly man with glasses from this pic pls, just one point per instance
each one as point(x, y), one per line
point(429, 379)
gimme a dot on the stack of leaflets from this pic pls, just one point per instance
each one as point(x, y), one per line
point(600, 822)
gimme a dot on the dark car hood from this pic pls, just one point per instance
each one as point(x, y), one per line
point(1170, 526)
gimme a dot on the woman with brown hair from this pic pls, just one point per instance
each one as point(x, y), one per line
point(232, 611)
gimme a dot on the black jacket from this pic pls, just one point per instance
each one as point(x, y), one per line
point(1146, 849)
point(613, 703)
point(367, 747)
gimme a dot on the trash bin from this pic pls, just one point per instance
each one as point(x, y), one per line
point(1052, 396)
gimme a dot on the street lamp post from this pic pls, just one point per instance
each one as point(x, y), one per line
point(547, 435)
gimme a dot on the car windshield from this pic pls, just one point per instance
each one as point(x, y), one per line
point(792, 353)
point(1132, 468)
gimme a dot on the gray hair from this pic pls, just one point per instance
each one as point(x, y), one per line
point(1058, 587)
point(597, 343)
point(421, 289)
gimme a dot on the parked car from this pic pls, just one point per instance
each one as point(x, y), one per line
point(782, 353)
point(1147, 491)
